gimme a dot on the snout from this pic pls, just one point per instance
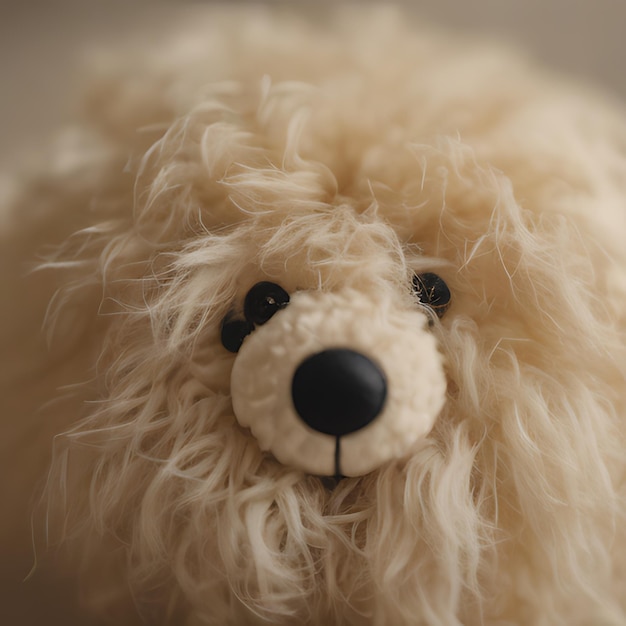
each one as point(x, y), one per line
point(337, 382)
point(338, 391)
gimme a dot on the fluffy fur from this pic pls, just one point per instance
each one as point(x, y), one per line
point(332, 158)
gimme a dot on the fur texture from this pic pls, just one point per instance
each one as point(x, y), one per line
point(335, 159)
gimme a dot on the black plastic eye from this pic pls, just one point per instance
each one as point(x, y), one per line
point(263, 300)
point(234, 331)
point(432, 291)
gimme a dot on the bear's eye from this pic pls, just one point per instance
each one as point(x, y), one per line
point(263, 300)
point(234, 331)
point(432, 291)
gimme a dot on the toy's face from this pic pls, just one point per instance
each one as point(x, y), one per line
point(349, 310)
point(335, 316)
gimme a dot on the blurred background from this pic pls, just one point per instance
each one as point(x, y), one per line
point(42, 41)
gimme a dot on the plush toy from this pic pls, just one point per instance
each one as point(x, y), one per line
point(335, 312)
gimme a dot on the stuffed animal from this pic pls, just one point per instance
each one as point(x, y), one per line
point(335, 314)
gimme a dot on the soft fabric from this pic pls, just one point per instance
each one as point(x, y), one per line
point(339, 158)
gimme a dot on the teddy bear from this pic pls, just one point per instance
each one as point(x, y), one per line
point(319, 320)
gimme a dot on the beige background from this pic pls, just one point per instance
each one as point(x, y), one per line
point(42, 42)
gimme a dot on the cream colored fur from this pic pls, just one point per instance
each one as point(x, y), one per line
point(335, 160)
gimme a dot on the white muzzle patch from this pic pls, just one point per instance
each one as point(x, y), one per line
point(380, 377)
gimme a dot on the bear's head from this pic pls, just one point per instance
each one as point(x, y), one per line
point(357, 353)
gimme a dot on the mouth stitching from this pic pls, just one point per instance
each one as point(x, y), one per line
point(338, 475)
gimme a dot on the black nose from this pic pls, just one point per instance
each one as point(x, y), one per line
point(338, 391)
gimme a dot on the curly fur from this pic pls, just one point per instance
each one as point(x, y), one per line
point(327, 157)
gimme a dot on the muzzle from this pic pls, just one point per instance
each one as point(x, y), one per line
point(337, 385)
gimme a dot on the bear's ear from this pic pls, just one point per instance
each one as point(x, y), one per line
point(176, 126)
point(129, 99)
point(128, 108)
point(146, 82)
point(52, 231)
